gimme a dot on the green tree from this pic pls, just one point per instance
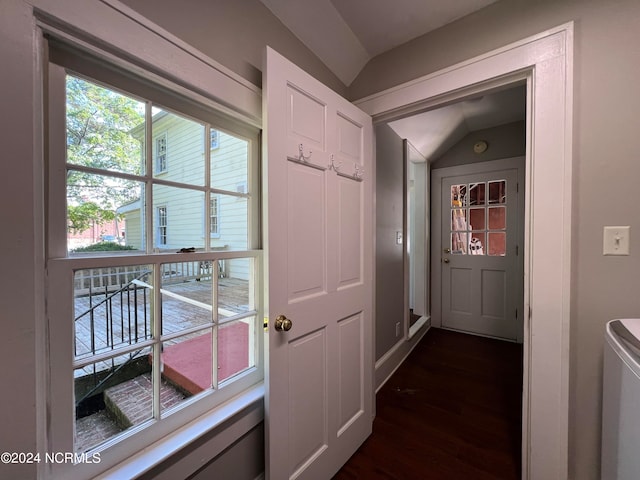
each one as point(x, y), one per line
point(99, 135)
point(87, 214)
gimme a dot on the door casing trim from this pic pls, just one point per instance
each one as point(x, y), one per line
point(545, 62)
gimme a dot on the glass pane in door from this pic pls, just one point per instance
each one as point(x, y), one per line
point(458, 195)
point(497, 244)
point(459, 243)
point(498, 192)
point(477, 243)
point(476, 219)
point(476, 193)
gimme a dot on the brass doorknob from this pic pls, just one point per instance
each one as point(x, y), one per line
point(445, 260)
point(283, 324)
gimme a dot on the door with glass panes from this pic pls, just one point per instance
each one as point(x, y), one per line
point(480, 252)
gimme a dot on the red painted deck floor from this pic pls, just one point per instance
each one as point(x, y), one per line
point(188, 364)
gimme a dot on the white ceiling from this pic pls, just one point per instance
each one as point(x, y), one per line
point(435, 131)
point(346, 34)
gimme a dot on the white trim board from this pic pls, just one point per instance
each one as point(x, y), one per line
point(545, 61)
point(124, 35)
point(391, 361)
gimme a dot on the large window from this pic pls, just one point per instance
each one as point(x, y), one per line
point(162, 319)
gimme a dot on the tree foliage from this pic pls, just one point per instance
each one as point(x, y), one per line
point(100, 122)
point(84, 215)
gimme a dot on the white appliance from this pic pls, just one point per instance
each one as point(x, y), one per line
point(621, 401)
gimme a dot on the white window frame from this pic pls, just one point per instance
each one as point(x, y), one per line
point(61, 267)
point(161, 157)
point(214, 139)
point(162, 228)
point(216, 233)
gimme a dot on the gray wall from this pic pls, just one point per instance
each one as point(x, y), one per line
point(389, 220)
point(505, 141)
point(605, 166)
point(234, 32)
point(244, 460)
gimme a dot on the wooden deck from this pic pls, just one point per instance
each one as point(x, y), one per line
point(126, 319)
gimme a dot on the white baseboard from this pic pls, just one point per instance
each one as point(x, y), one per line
point(390, 361)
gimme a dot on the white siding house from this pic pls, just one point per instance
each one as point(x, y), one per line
point(179, 154)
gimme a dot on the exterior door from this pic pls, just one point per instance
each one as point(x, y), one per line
point(480, 234)
point(318, 167)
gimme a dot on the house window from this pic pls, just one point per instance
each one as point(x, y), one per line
point(146, 330)
point(162, 226)
point(214, 216)
point(161, 153)
point(214, 139)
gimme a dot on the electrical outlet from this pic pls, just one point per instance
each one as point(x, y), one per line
point(398, 238)
point(397, 329)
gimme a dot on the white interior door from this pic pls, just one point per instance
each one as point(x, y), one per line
point(480, 235)
point(318, 171)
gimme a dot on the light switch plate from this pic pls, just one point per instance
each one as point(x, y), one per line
point(616, 240)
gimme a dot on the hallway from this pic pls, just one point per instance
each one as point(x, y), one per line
point(451, 411)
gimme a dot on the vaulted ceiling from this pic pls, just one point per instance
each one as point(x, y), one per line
point(346, 34)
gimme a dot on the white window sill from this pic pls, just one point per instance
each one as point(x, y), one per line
point(170, 445)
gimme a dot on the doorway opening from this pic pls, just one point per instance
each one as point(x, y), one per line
point(456, 214)
point(475, 136)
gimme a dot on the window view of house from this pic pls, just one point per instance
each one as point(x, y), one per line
point(175, 317)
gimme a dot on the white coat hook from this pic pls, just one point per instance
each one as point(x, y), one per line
point(302, 157)
point(333, 166)
point(359, 172)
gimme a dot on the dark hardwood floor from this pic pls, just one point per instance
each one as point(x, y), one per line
point(452, 411)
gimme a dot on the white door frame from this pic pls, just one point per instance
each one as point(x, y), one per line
point(545, 62)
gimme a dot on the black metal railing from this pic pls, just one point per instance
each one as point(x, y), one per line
point(110, 318)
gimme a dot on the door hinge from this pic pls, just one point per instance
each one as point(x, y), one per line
point(517, 250)
point(516, 314)
point(517, 187)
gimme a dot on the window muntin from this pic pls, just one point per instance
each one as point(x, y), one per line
point(137, 217)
